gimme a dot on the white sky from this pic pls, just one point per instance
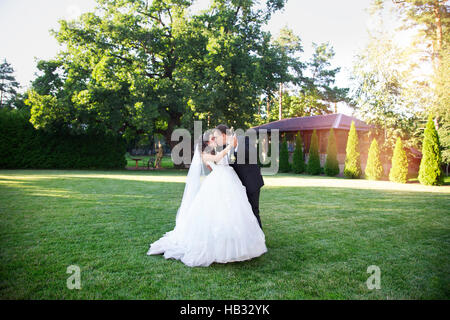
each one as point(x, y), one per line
point(25, 25)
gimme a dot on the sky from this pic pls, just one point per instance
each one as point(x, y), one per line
point(25, 25)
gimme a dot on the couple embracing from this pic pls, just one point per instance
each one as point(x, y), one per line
point(218, 219)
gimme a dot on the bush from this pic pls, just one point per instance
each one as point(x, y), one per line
point(314, 158)
point(331, 164)
point(399, 169)
point(298, 163)
point(374, 167)
point(284, 157)
point(430, 171)
point(352, 167)
point(22, 146)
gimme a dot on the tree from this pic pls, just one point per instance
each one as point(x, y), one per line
point(314, 158)
point(430, 171)
point(297, 104)
point(331, 164)
point(8, 84)
point(399, 169)
point(352, 167)
point(137, 67)
point(421, 92)
point(313, 95)
point(50, 78)
point(374, 167)
point(383, 95)
point(298, 163)
point(440, 108)
point(284, 157)
point(432, 20)
point(323, 76)
point(288, 47)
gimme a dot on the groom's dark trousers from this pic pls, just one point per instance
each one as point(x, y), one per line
point(249, 174)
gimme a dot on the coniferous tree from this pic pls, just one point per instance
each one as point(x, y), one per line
point(399, 169)
point(352, 167)
point(284, 157)
point(331, 164)
point(298, 163)
point(430, 171)
point(374, 167)
point(8, 84)
point(314, 158)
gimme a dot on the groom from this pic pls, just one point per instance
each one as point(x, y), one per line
point(248, 173)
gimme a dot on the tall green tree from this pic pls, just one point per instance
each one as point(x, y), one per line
point(313, 90)
point(284, 166)
point(331, 164)
point(421, 92)
point(352, 167)
point(431, 19)
point(135, 67)
point(380, 94)
point(289, 47)
point(8, 84)
point(440, 108)
point(298, 162)
point(430, 171)
point(323, 76)
point(313, 166)
point(374, 167)
point(50, 77)
point(399, 169)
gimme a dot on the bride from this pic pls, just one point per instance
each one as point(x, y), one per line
point(215, 221)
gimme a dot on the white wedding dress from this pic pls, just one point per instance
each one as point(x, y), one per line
point(214, 223)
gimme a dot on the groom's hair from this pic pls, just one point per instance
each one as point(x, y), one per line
point(222, 128)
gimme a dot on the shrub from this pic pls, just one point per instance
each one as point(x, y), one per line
point(22, 146)
point(331, 164)
point(298, 163)
point(430, 170)
point(399, 169)
point(352, 167)
point(284, 157)
point(374, 167)
point(314, 159)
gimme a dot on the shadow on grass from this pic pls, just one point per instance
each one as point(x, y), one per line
point(320, 240)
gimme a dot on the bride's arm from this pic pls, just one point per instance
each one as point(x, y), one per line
point(216, 157)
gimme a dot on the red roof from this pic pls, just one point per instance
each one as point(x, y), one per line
point(327, 121)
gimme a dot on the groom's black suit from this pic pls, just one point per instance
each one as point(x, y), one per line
point(249, 174)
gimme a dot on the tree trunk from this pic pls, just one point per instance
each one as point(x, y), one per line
point(437, 17)
point(438, 47)
point(280, 103)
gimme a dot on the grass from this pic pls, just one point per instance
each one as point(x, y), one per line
point(446, 180)
point(321, 237)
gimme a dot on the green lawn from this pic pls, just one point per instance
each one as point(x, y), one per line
point(321, 237)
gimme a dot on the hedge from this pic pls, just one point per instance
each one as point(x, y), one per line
point(23, 146)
